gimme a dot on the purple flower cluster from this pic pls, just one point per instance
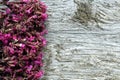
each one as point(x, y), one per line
point(22, 40)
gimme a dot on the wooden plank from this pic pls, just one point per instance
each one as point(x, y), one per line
point(77, 52)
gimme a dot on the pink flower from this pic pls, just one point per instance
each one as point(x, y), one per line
point(36, 0)
point(30, 1)
point(8, 69)
point(43, 6)
point(5, 41)
point(29, 10)
point(39, 74)
point(15, 38)
point(23, 29)
point(7, 35)
point(34, 16)
point(32, 51)
point(22, 45)
point(44, 16)
point(39, 63)
point(11, 50)
point(8, 11)
point(26, 1)
point(16, 18)
point(39, 57)
point(29, 68)
point(31, 38)
point(44, 32)
point(44, 41)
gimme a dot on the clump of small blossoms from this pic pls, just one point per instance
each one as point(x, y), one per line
point(22, 40)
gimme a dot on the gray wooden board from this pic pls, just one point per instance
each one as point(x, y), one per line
point(77, 52)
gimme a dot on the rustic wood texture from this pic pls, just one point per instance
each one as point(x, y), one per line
point(77, 52)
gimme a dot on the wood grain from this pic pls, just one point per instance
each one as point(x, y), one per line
point(77, 52)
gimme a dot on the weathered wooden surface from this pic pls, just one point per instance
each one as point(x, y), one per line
point(77, 52)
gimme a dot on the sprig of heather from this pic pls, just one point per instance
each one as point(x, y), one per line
point(22, 40)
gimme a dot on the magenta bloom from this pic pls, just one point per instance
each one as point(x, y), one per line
point(29, 10)
point(43, 6)
point(22, 45)
point(29, 68)
point(44, 16)
point(22, 40)
point(26, 1)
point(30, 1)
point(15, 18)
point(11, 50)
point(8, 11)
point(39, 74)
point(31, 38)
